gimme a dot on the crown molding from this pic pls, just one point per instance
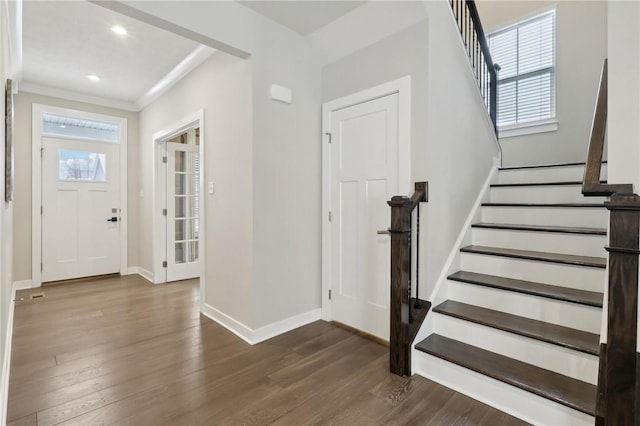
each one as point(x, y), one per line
point(188, 64)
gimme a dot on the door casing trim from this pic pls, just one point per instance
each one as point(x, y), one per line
point(402, 87)
point(37, 110)
point(159, 180)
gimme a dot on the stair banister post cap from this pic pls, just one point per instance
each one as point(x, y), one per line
point(399, 201)
point(623, 202)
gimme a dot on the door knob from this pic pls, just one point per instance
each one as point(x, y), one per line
point(113, 219)
point(383, 232)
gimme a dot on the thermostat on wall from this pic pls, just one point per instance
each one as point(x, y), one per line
point(281, 93)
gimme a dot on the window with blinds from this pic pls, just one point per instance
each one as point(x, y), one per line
point(526, 81)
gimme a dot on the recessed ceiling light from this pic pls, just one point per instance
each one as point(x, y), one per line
point(120, 30)
point(62, 126)
point(93, 77)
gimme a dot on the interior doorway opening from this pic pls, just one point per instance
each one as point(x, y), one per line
point(179, 227)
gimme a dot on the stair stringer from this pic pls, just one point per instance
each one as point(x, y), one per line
point(440, 291)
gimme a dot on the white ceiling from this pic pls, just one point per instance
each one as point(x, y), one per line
point(64, 41)
point(303, 16)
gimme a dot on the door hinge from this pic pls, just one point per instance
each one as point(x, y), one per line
point(329, 294)
point(164, 159)
point(329, 136)
point(41, 152)
point(164, 263)
point(329, 216)
point(164, 212)
point(41, 267)
point(41, 210)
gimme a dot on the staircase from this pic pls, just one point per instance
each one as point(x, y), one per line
point(520, 322)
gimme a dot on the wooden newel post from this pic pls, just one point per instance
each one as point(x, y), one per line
point(620, 352)
point(400, 231)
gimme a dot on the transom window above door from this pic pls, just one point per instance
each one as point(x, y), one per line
point(56, 125)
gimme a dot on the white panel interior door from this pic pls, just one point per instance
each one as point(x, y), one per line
point(364, 176)
point(80, 208)
point(183, 221)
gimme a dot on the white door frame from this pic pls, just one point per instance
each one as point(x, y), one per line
point(37, 111)
point(402, 87)
point(191, 121)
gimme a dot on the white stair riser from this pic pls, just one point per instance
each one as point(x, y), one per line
point(541, 194)
point(546, 174)
point(572, 315)
point(553, 242)
point(593, 217)
point(564, 361)
point(584, 278)
point(517, 402)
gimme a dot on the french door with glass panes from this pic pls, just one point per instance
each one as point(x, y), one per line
point(183, 186)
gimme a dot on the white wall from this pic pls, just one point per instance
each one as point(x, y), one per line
point(285, 146)
point(459, 149)
point(451, 138)
point(6, 212)
point(623, 125)
point(623, 120)
point(222, 87)
point(581, 46)
point(22, 188)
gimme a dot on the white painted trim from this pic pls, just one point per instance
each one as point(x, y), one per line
point(39, 89)
point(527, 129)
point(22, 285)
point(261, 334)
point(402, 87)
point(37, 110)
point(439, 293)
point(188, 64)
point(6, 365)
point(236, 327)
point(159, 238)
point(279, 327)
point(13, 10)
point(133, 270)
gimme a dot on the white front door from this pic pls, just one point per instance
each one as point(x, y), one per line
point(183, 211)
point(364, 176)
point(80, 208)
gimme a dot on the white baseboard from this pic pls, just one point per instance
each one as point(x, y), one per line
point(258, 335)
point(140, 271)
point(4, 380)
point(287, 324)
point(21, 285)
point(234, 326)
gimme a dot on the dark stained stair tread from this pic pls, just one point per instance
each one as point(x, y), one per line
point(584, 297)
point(542, 228)
point(556, 387)
point(551, 333)
point(507, 185)
point(589, 261)
point(566, 205)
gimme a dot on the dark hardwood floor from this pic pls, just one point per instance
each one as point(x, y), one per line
point(123, 351)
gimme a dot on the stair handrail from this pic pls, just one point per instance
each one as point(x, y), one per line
point(618, 365)
point(406, 313)
point(484, 69)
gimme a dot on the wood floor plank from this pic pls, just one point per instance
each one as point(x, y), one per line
point(122, 351)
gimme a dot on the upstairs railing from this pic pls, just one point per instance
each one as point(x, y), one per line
point(407, 312)
point(475, 42)
point(618, 370)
